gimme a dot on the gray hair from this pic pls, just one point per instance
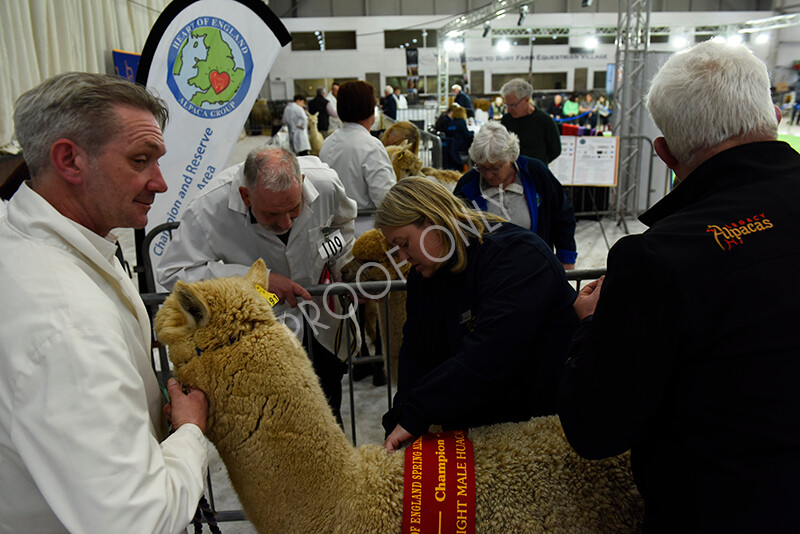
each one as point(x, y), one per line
point(518, 87)
point(78, 106)
point(494, 144)
point(274, 169)
point(709, 94)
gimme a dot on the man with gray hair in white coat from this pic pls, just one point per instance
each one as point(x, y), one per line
point(294, 214)
point(83, 443)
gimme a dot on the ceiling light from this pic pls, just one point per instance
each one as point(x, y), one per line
point(679, 42)
point(735, 39)
point(503, 45)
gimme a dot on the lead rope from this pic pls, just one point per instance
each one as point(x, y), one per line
point(204, 510)
point(352, 324)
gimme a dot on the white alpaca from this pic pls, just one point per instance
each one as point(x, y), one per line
point(314, 137)
point(296, 473)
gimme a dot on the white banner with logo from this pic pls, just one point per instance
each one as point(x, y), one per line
point(208, 59)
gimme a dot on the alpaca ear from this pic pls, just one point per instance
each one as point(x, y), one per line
point(192, 304)
point(258, 274)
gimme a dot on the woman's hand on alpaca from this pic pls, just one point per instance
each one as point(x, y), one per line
point(396, 439)
point(287, 289)
point(190, 407)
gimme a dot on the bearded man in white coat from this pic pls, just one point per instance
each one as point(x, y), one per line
point(295, 215)
point(82, 436)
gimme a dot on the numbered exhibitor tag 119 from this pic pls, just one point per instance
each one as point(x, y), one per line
point(332, 246)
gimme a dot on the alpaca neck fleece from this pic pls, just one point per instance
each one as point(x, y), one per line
point(286, 456)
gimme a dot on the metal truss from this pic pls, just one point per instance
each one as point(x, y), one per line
point(771, 23)
point(633, 38)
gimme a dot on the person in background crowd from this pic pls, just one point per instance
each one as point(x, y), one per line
point(460, 134)
point(443, 120)
point(295, 118)
point(586, 108)
point(556, 108)
point(281, 209)
point(489, 315)
point(333, 122)
point(389, 103)
point(571, 106)
point(462, 99)
point(402, 103)
point(519, 189)
point(682, 356)
point(320, 104)
point(83, 440)
point(538, 135)
point(358, 158)
point(603, 112)
point(497, 109)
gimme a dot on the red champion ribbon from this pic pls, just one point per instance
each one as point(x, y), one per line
point(327, 278)
point(439, 490)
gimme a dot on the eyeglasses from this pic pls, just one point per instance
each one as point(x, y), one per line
point(515, 104)
point(483, 169)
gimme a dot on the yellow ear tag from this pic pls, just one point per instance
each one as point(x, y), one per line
point(272, 298)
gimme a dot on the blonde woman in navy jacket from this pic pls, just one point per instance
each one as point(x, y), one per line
point(489, 315)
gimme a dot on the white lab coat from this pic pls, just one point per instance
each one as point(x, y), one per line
point(294, 116)
point(80, 408)
point(402, 103)
point(217, 238)
point(363, 165)
point(333, 122)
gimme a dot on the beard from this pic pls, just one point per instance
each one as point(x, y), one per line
point(276, 232)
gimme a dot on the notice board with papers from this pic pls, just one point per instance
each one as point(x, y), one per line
point(587, 161)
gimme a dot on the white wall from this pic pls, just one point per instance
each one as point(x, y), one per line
point(787, 52)
point(371, 56)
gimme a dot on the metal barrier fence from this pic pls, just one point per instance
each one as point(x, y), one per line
point(422, 116)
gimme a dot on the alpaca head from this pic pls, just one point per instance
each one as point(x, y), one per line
point(404, 161)
point(203, 324)
point(369, 250)
point(313, 120)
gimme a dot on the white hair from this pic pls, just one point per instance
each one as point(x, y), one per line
point(518, 87)
point(456, 86)
point(709, 94)
point(494, 144)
